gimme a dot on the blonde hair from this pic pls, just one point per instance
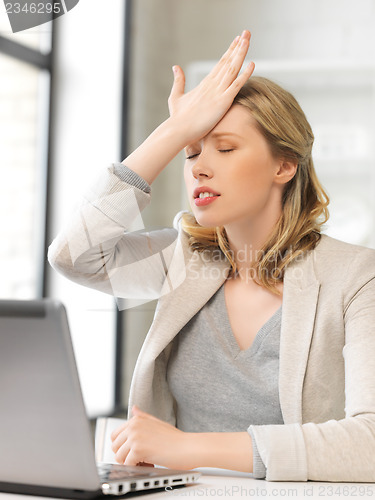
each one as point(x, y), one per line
point(304, 203)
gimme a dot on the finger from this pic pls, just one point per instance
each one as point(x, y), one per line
point(178, 87)
point(242, 45)
point(235, 47)
point(235, 87)
point(231, 69)
point(119, 441)
point(132, 458)
point(227, 54)
point(116, 445)
point(118, 431)
point(122, 454)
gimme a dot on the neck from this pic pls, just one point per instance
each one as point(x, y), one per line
point(246, 241)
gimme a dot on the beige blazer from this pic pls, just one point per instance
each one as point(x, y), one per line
point(327, 345)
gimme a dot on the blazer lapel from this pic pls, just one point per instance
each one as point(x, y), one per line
point(192, 281)
point(300, 298)
point(203, 279)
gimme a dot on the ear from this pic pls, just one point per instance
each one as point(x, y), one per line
point(286, 171)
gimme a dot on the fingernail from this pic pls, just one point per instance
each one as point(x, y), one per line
point(174, 69)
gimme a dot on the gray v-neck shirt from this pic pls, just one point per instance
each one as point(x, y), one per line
point(217, 386)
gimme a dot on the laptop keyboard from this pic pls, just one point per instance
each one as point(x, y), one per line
point(112, 472)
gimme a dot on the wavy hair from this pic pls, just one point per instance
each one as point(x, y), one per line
point(283, 124)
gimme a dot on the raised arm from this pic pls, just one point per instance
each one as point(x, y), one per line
point(98, 249)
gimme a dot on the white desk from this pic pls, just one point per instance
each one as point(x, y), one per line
point(216, 485)
point(220, 486)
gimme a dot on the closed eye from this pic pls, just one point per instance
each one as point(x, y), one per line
point(190, 157)
point(225, 150)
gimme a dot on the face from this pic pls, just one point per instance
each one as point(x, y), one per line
point(233, 163)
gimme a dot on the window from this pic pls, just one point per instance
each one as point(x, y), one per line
point(24, 110)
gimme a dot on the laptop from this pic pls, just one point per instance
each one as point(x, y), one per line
point(46, 444)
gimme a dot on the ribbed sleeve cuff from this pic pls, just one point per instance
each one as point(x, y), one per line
point(282, 449)
point(259, 469)
point(127, 175)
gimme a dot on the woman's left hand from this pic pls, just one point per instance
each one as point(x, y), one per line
point(146, 439)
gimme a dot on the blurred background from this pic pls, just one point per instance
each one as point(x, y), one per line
point(83, 91)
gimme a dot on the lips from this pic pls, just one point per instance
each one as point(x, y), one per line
point(210, 196)
point(204, 189)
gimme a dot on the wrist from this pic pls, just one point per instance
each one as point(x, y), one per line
point(154, 154)
point(178, 131)
point(224, 450)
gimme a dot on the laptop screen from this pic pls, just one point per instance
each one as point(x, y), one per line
point(44, 432)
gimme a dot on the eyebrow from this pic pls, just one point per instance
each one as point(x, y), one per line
point(218, 135)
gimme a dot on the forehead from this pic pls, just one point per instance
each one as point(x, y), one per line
point(237, 120)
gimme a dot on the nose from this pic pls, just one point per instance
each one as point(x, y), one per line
point(201, 168)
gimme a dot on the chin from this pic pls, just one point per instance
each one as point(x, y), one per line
point(208, 221)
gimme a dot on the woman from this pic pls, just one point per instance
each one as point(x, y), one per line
point(260, 356)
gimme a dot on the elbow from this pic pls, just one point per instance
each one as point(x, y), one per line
point(59, 258)
point(86, 271)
